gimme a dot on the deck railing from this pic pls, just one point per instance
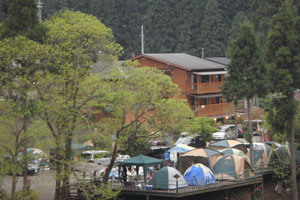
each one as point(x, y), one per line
point(214, 109)
point(203, 88)
point(173, 189)
point(225, 181)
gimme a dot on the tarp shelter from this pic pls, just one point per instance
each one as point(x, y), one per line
point(205, 156)
point(262, 154)
point(199, 174)
point(223, 144)
point(165, 179)
point(178, 149)
point(74, 149)
point(231, 167)
point(89, 169)
point(230, 151)
point(80, 147)
point(141, 160)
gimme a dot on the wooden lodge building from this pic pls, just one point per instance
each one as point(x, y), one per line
point(199, 80)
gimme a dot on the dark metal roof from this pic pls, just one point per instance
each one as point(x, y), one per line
point(186, 61)
point(220, 60)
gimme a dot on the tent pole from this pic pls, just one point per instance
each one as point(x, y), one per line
point(145, 174)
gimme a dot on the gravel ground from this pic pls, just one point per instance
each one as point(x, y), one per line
point(43, 182)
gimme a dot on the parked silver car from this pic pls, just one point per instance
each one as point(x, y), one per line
point(225, 132)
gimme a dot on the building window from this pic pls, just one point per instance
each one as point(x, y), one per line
point(204, 78)
point(205, 101)
point(195, 78)
point(218, 100)
point(193, 101)
point(218, 78)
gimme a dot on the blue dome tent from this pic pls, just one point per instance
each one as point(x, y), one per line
point(199, 174)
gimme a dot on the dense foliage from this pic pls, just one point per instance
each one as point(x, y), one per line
point(282, 56)
point(173, 26)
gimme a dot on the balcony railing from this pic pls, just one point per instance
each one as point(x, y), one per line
point(211, 110)
point(202, 88)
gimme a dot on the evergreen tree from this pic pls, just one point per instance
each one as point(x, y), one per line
point(21, 19)
point(21, 15)
point(260, 13)
point(190, 15)
point(213, 31)
point(160, 27)
point(282, 56)
point(246, 72)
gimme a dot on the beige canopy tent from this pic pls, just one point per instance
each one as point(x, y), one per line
point(223, 144)
point(232, 167)
point(205, 156)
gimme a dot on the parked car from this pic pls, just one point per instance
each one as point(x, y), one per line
point(101, 157)
point(225, 132)
point(32, 166)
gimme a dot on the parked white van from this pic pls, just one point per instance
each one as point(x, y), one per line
point(101, 157)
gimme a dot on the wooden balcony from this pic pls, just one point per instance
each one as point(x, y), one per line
point(214, 110)
point(202, 88)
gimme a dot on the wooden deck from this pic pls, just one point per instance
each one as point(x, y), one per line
point(191, 190)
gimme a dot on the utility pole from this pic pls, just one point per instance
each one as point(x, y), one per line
point(142, 39)
point(39, 7)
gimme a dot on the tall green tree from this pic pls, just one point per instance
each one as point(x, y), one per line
point(282, 56)
point(18, 57)
point(74, 42)
point(21, 19)
point(246, 72)
point(140, 104)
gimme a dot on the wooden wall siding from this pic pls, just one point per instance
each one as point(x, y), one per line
point(213, 110)
point(183, 79)
point(179, 76)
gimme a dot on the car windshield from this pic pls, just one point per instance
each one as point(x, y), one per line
point(222, 128)
point(184, 140)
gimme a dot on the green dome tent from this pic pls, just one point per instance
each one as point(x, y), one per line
point(165, 179)
point(262, 155)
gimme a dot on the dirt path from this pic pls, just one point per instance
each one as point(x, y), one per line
point(43, 182)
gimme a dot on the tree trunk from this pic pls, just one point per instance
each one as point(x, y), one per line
point(58, 185)
point(25, 172)
point(251, 140)
point(293, 161)
point(14, 180)
point(111, 164)
point(250, 132)
point(66, 176)
point(14, 169)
